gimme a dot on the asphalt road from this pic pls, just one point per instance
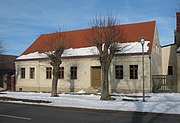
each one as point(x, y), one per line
point(17, 113)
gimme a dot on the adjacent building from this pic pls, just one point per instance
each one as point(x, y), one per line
point(177, 42)
point(7, 66)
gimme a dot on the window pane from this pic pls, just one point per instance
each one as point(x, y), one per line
point(133, 71)
point(118, 72)
point(22, 73)
point(32, 71)
point(170, 70)
point(73, 72)
point(61, 73)
point(48, 72)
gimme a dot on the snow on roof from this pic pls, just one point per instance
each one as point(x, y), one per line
point(34, 55)
point(178, 50)
point(133, 47)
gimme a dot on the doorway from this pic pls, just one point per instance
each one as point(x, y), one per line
point(96, 77)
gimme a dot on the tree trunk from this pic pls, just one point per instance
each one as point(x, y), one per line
point(55, 80)
point(105, 82)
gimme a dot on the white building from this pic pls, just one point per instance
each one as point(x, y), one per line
point(80, 69)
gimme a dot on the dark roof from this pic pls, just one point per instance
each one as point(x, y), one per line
point(7, 61)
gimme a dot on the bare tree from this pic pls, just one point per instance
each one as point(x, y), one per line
point(53, 46)
point(2, 47)
point(106, 34)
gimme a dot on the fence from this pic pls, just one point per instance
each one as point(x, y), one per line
point(9, 82)
point(163, 83)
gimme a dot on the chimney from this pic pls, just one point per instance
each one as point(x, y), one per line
point(177, 32)
point(178, 21)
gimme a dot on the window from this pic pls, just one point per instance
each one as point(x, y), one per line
point(22, 73)
point(170, 70)
point(118, 72)
point(73, 72)
point(32, 71)
point(48, 72)
point(61, 73)
point(133, 71)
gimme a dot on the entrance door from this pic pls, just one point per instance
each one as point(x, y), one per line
point(96, 77)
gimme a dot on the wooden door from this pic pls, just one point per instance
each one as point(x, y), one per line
point(96, 77)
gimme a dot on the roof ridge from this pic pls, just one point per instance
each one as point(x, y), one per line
point(143, 22)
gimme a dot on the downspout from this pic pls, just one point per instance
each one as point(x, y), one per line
point(150, 73)
point(39, 77)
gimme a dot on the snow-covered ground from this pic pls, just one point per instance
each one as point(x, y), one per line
point(159, 103)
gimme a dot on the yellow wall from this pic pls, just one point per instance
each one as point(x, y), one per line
point(83, 82)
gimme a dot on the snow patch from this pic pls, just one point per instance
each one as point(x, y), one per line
point(129, 99)
point(33, 56)
point(178, 50)
point(81, 92)
point(168, 103)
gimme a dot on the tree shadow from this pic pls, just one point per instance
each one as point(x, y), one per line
point(129, 85)
point(79, 63)
point(153, 116)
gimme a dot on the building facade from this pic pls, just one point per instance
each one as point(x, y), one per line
point(83, 72)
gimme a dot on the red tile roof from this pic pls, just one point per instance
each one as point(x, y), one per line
point(77, 37)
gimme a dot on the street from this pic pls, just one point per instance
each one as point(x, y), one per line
point(18, 113)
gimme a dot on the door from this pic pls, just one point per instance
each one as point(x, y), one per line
point(96, 77)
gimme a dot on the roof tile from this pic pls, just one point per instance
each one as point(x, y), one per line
point(77, 37)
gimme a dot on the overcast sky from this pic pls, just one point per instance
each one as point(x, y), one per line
point(22, 21)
